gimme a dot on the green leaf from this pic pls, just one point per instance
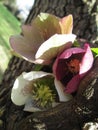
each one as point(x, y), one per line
point(37, 67)
point(76, 43)
point(95, 51)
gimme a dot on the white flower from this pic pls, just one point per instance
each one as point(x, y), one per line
point(22, 89)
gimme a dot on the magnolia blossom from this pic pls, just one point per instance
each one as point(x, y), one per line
point(22, 89)
point(44, 39)
point(71, 65)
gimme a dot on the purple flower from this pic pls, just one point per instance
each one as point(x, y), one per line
point(71, 65)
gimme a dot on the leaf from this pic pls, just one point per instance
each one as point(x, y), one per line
point(37, 67)
point(76, 43)
point(95, 51)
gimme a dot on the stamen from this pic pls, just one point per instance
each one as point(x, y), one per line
point(73, 66)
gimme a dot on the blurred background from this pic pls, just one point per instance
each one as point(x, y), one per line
point(13, 13)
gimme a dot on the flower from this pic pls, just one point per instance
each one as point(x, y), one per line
point(44, 39)
point(36, 86)
point(48, 40)
point(72, 65)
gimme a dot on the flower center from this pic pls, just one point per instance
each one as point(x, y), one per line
point(73, 66)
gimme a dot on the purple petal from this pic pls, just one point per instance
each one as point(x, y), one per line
point(71, 51)
point(87, 60)
point(86, 64)
point(59, 67)
point(72, 86)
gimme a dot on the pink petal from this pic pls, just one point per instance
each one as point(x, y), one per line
point(86, 64)
point(71, 51)
point(72, 86)
point(59, 64)
point(66, 24)
point(27, 45)
point(87, 60)
point(20, 46)
point(59, 68)
point(32, 34)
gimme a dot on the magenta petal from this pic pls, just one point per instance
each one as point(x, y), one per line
point(87, 60)
point(67, 53)
point(59, 69)
point(60, 65)
point(72, 86)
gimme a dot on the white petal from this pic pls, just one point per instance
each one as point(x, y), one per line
point(30, 107)
point(56, 43)
point(18, 95)
point(22, 87)
point(35, 75)
point(63, 97)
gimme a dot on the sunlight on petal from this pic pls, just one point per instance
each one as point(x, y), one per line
point(47, 24)
point(21, 91)
point(18, 94)
point(87, 60)
point(66, 24)
point(35, 75)
point(54, 45)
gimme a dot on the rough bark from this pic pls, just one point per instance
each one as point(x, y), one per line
point(66, 116)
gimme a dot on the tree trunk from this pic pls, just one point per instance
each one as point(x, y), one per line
point(70, 115)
